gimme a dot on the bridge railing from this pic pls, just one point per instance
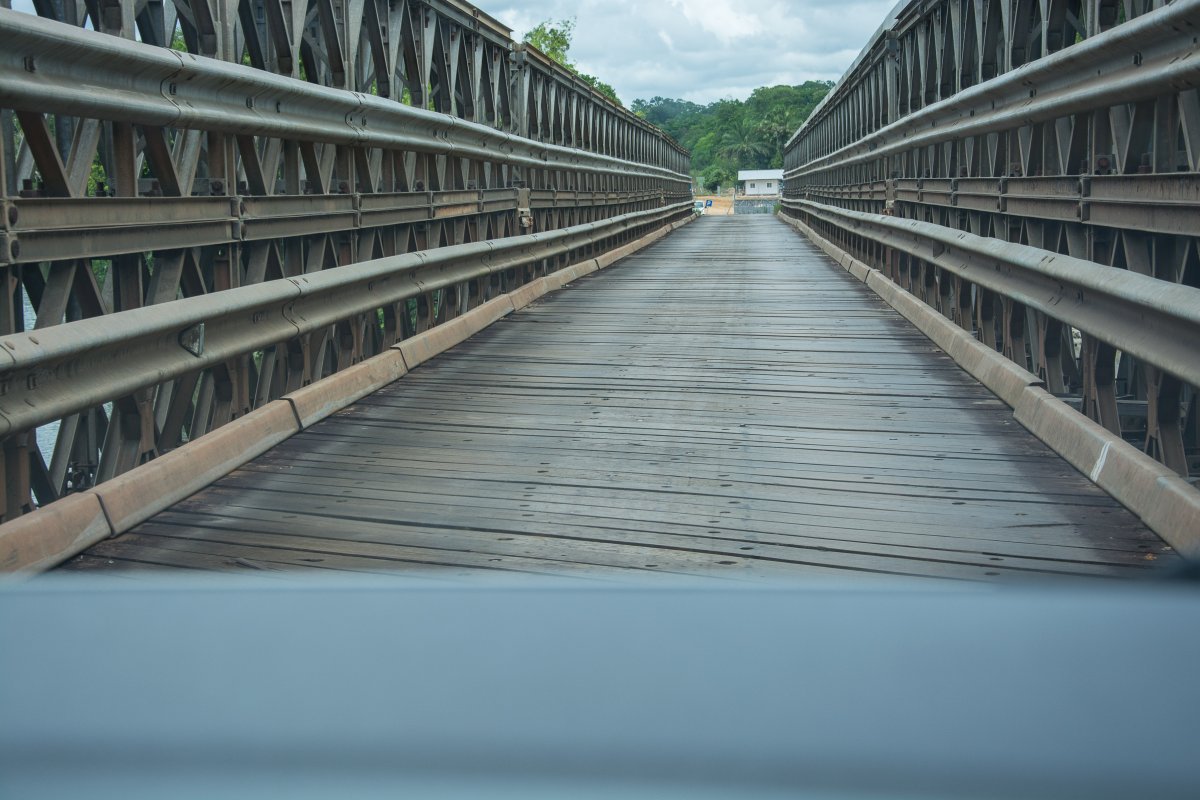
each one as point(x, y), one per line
point(73, 368)
point(155, 157)
point(1031, 169)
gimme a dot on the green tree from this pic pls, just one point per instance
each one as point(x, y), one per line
point(743, 144)
point(773, 131)
point(553, 38)
point(717, 177)
point(729, 135)
point(600, 86)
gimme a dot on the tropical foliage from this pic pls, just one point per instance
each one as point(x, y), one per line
point(724, 136)
point(729, 135)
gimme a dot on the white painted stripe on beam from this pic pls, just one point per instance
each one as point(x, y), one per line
point(1096, 470)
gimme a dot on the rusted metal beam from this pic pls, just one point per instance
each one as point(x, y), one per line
point(1091, 75)
point(51, 373)
point(1080, 139)
point(1165, 203)
point(90, 74)
point(1154, 491)
point(61, 529)
point(1151, 319)
point(52, 229)
point(208, 174)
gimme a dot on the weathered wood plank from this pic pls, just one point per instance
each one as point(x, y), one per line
point(725, 403)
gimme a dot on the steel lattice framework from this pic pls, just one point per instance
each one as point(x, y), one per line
point(997, 157)
point(153, 151)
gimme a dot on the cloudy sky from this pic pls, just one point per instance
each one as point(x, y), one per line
point(700, 50)
point(704, 50)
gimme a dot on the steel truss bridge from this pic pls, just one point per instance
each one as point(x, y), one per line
point(326, 285)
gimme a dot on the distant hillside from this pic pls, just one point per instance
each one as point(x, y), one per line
point(729, 135)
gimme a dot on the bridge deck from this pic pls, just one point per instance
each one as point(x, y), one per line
point(725, 402)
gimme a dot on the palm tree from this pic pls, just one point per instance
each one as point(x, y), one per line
point(742, 144)
point(774, 129)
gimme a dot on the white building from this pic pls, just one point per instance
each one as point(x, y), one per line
point(760, 181)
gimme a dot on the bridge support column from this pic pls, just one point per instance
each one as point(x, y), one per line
point(1099, 383)
point(1164, 421)
point(1050, 360)
point(1014, 332)
point(964, 309)
point(18, 496)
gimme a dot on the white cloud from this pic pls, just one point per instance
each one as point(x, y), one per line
point(700, 50)
point(704, 50)
point(728, 20)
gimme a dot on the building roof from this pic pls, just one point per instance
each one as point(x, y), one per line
point(760, 175)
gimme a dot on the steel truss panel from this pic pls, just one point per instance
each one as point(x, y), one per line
point(176, 150)
point(1068, 126)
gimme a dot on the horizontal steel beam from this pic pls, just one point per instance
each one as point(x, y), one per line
point(48, 67)
point(1138, 59)
point(470, 17)
point(1155, 321)
point(525, 53)
point(1153, 203)
point(55, 229)
point(56, 371)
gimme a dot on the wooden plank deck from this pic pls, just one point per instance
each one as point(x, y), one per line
point(726, 402)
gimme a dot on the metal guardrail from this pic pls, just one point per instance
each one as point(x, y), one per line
point(1144, 202)
point(1147, 318)
point(70, 368)
point(188, 148)
point(1050, 134)
point(57, 229)
point(1142, 58)
point(45, 67)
